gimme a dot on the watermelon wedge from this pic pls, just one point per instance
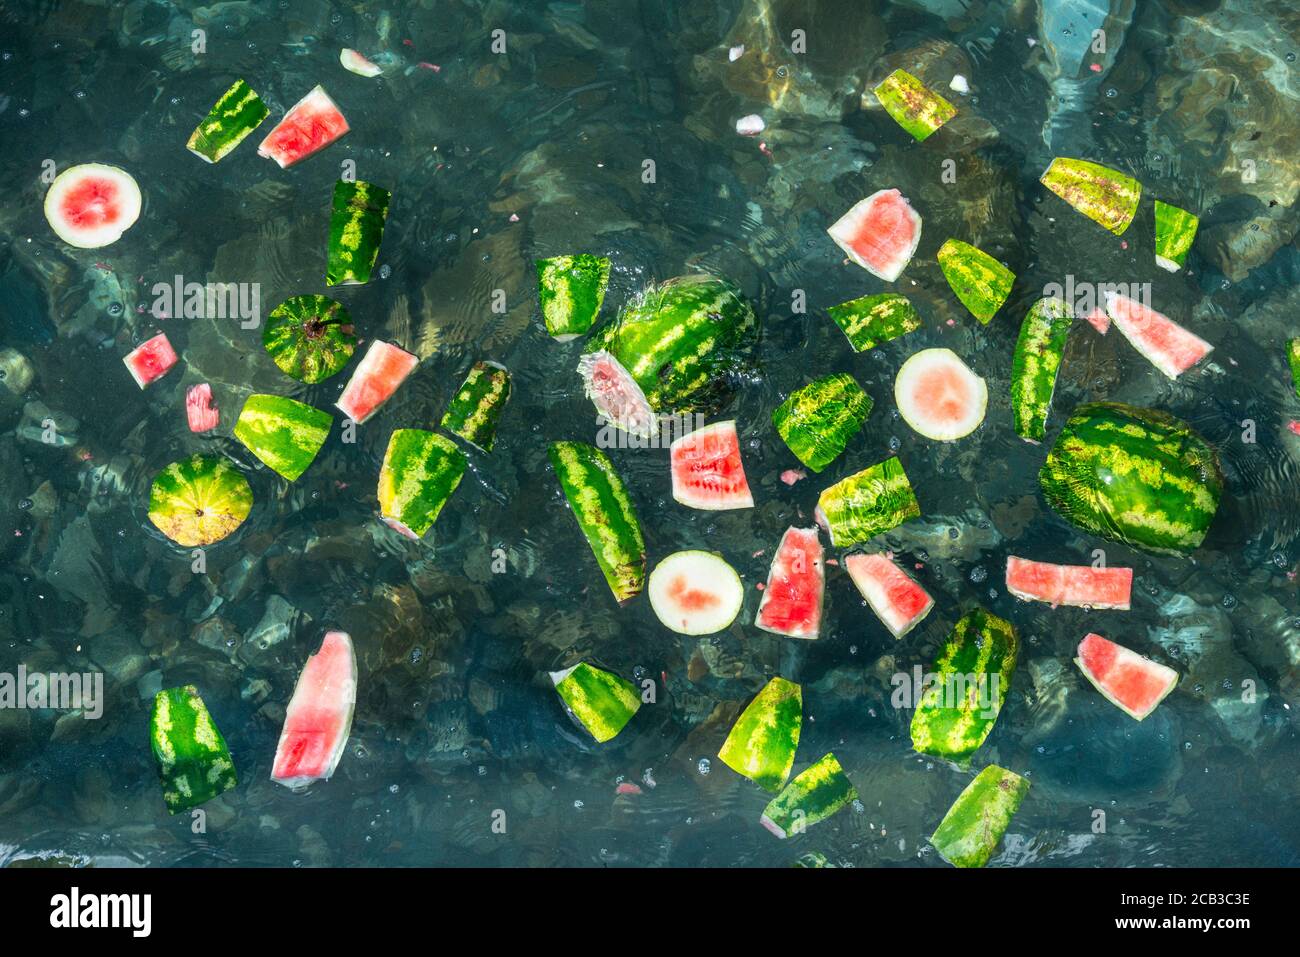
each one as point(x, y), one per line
point(319, 718)
point(358, 212)
point(1134, 684)
point(898, 601)
point(707, 470)
point(92, 205)
point(1164, 343)
point(1080, 586)
point(880, 233)
point(239, 111)
point(1039, 350)
point(602, 701)
point(796, 587)
point(201, 414)
point(475, 409)
point(814, 795)
point(872, 320)
point(1175, 232)
point(939, 396)
point(763, 741)
point(618, 397)
point(978, 280)
point(867, 503)
point(150, 360)
point(817, 421)
point(357, 63)
point(194, 764)
point(1104, 195)
point(570, 290)
point(973, 826)
point(913, 105)
point(695, 593)
point(311, 124)
point(384, 368)
point(283, 433)
point(420, 471)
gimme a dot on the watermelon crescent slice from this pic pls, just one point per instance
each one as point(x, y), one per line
point(880, 233)
point(898, 601)
point(319, 718)
point(311, 124)
point(1134, 684)
point(1164, 343)
point(92, 205)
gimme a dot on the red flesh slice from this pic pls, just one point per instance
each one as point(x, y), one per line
point(384, 368)
point(1167, 345)
point(898, 601)
point(796, 585)
point(92, 203)
point(707, 470)
point(150, 360)
point(1076, 585)
point(311, 124)
point(319, 717)
point(1134, 684)
point(880, 233)
point(203, 416)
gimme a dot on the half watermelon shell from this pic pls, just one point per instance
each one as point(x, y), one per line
point(199, 501)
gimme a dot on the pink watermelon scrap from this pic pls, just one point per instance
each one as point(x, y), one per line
point(150, 360)
point(1134, 684)
point(1099, 320)
point(1167, 345)
point(384, 368)
point(880, 233)
point(796, 587)
point(898, 601)
point(311, 124)
point(203, 416)
point(1080, 586)
point(319, 717)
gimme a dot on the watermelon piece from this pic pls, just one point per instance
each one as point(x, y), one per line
point(972, 674)
point(817, 421)
point(311, 124)
point(283, 433)
point(201, 414)
point(1136, 476)
point(973, 826)
point(1037, 360)
point(872, 320)
point(1164, 343)
point(355, 62)
point(1134, 684)
point(384, 368)
point(1104, 195)
point(880, 233)
point(617, 396)
point(763, 741)
point(571, 290)
point(237, 113)
point(707, 470)
point(979, 281)
point(319, 718)
point(913, 105)
point(1175, 232)
point(150, 360)
point(796, 587)
point(601, 701)
point(898, 601)
point(695, 593)
point(92, 205)
point(867, 503)
point(604, 513)
point(1080, 586)
point(193, 761)
point(420, 471)
point(814, 795)
point(199, 500)
point(1099, 320)
point(309, 338)
point(358, 212)
point(939, 396)
point(476, 408)
point(1293, 360)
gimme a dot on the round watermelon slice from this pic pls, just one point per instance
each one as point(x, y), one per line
point(939, 396)
point(1134, 684)
point(707, 470)
point(880, 233)
point(199, 500)
point(695, 593)
point(92, 205)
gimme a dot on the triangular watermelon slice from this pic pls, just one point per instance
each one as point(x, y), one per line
point(796, 587)
point(319, 718)
point(898, 601)
point(1167, 345)
point(880, 233)
point(707, 469)
point(1132, 683)
point(311, 124)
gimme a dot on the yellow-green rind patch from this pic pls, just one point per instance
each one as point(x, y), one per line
point(194, 764)
point(1293, 360)
point(973, 826)
point(602, 701)
point(914, 106)
point(234, 116)
point(283, 433)
point(199, 500)
point(420, 471)
point(309, 338)
point(763, 741)
point(871, 320)
point(1104, 195)
point(571, 290)
point(817, 793)
point(818, 421)
point(980, 281)
point(476, 408)
point(1034, 368)
point(867, 503)
point(1175, 232)
point(357, 218)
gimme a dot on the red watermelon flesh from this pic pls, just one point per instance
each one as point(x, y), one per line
point(616, 395)
point(707, 469)
point(880, 233)
point(796, 586)
point(1077, 585)
point(1167, 345)
point(319, 718)
point(202, 415)
point(898, 601)
point(1127, 680)
point(1099, 320)
point(150, 360)
point(384, 368)
point(312, 124)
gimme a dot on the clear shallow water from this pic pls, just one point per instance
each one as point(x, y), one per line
point(455, 717)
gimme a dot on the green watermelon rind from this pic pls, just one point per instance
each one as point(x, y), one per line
point(971, 830)
point(1175, 233)
point(867, 503)
point(236, 113)
point(978, 280)
point(762, 743)
point(1106, 196)
point(358, 213)
point(872, 320)
point(570, 291)
point(912, 105)
point(602, 701)
point(297, 352)
point(605, 514)
point(1293, 361)
point(475, 410)
point(817, 421)
point(420, 472)
point(283, 433)
point(1039, 350)
point(194, 764)
point(815, 794)
point(188, 491)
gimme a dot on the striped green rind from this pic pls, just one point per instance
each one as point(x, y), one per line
point(602, 701)
point(420, 471)
point(980, 281)
point(476, 408)
point(814, 795)
point(1104, 195)
point(871, 320)
point(571, 290)
point(913, 105)
point(234, 116)
point(605, 514)
point(1137, 476)
point(867, 503)
point(972, 674)
point(813, 859)
point(763, 740)
point(682, 340)
point(284, 433)
point(194, 764)
point(1175, 232)
point(1293, 360)
point(310, 338)
point(199, 500)
point(818, 421)
point(356, 230)
point(1034, 368)
point(973, 826)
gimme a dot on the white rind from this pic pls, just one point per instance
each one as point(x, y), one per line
point(706, 572)
point(1168, 264)
point(914, 367)
point(129, 198)
point(703, 502)
point(847, 226)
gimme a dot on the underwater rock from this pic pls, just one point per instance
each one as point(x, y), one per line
point(278, 623)
point(16, 372)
